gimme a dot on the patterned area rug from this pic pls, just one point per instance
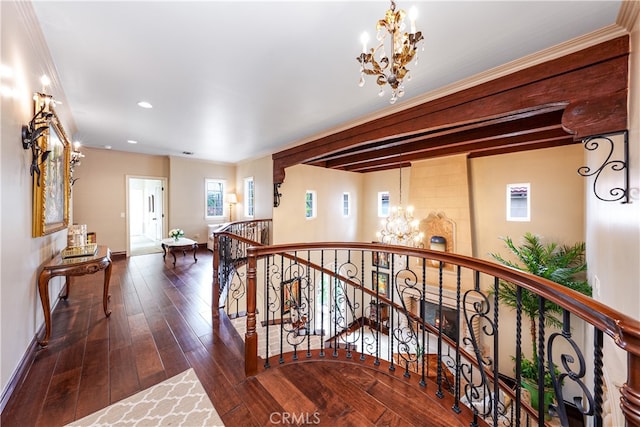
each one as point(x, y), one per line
point(178, 401)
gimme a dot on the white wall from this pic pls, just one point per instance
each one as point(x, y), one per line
point(24, 52)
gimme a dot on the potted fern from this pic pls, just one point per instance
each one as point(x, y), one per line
point(559, 263)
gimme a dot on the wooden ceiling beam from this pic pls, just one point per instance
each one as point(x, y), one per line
point(586, 81)
point(502, 125)
point(483, 148)
point(522, 128)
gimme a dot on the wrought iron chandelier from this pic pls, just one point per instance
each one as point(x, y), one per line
point(390, 69)
point(400, 228)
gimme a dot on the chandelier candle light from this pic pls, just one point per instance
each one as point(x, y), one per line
point(391, 69)
point(399, 228)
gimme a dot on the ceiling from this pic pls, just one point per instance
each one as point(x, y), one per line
point(235, 80)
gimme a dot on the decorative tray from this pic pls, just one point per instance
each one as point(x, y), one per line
point(76, 251)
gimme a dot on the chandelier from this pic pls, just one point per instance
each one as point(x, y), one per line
point(399, 228)
point(392, 69)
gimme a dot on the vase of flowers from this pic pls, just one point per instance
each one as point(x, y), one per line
point(176, 233)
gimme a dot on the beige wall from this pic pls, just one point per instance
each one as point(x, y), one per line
point(557, 213)
point(100, 193)
point(442, 185)
point(187, 196)
point(557, 197)
point(262, 172)
point(25, 53)
point(289, 222)
point(108, 170)
point(373, 183)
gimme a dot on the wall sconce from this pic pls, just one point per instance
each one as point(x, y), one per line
point(38, 125)
point(76, 155)
point(232, 199)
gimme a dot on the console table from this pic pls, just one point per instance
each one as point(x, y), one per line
point(182, 244)
point(75, 266)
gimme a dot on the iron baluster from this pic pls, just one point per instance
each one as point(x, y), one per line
point(456, 393)
point(597, 378)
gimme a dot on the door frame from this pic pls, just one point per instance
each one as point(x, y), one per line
point(163, 180)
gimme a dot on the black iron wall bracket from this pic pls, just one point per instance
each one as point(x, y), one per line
point(604, 142)
point(276, 194)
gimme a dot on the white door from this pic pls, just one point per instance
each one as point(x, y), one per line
point(145, 214)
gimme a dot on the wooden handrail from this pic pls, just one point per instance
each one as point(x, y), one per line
point(624, 330)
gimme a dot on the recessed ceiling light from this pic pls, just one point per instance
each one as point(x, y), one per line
point(188, 153)
point(131, 141)
point(144, 104)
point(108, 147)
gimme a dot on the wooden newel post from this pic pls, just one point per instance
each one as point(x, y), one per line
point(630, 391)
point(215, 300)
point(251, 337)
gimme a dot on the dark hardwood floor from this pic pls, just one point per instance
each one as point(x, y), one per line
point(161, 325)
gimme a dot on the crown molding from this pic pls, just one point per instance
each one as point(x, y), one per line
point(628, 14)
point(47, 66)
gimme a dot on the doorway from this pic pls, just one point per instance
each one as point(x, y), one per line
point(145, 214)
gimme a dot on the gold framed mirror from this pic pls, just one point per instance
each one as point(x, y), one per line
point(51, 192)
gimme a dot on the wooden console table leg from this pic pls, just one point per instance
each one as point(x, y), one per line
point(105, 289)
point(43, 288)
point(67, 285)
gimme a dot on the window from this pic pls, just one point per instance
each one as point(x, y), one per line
point(214, 192)
point(383, 204)
point(249, 197)
point(518, 202)
point(346, 204)
point(310, 204)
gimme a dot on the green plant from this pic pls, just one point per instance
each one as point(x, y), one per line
point(559, 263)
point(529, 370)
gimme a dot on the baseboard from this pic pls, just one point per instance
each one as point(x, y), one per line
point(20, 374)
point(118, 255)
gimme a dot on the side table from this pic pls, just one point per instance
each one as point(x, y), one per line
point(76, 266)
point(182, 244)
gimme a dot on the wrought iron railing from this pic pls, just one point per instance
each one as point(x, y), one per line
point(431, 316)
point(229, 262)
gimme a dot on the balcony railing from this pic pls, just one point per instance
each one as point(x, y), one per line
point(229, 262)
point(432, 316)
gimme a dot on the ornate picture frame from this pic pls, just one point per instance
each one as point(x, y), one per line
point(380, 281)
point(291, 295)
point(51, 193)
point(380, 259)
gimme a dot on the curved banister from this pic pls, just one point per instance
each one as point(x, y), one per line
point(624, 330)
